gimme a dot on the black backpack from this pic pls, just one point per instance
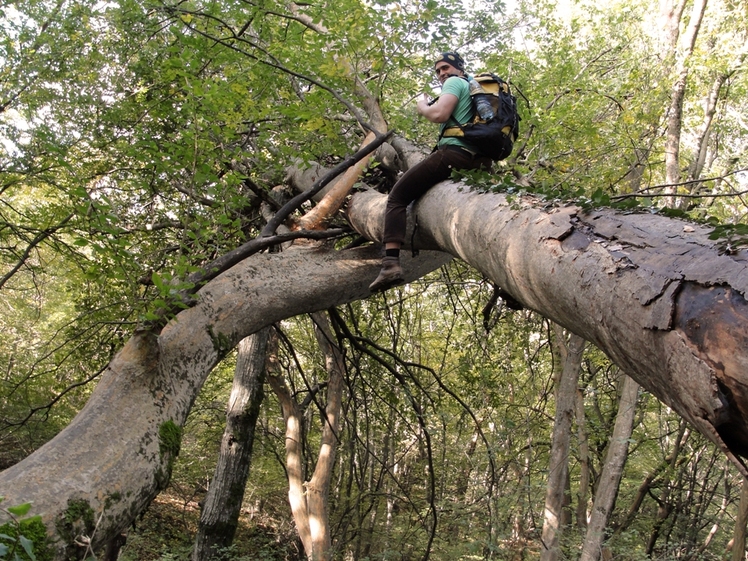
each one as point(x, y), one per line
point(494, 138)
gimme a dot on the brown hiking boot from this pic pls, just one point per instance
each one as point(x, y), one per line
point(390, 275)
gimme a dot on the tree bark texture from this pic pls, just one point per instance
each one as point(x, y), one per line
point(738, 538)
point(117, 453)
point(293, 418)
point(610, 479)
point(318, 488)
point(654, 293)
point(583, 444)
point(219, 516)
point(556, 499)
point(677, 96)
point(310, 500)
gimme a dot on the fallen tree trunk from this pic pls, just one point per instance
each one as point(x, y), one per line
point(91, 481)
point(654, 293)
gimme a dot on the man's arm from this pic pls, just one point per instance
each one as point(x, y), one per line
point(440, 111)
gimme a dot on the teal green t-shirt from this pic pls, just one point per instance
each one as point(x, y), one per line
point(462, 113)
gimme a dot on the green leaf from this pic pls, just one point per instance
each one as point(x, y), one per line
point(28, 547)
point(600, 197)
point(19, 510)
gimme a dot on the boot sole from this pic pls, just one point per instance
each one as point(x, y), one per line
point(386, 285)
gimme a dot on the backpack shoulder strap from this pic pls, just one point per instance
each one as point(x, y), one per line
point(452, 126)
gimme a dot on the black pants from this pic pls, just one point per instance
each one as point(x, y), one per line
point(419, 179)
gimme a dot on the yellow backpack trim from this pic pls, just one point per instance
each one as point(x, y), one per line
point(491, 87)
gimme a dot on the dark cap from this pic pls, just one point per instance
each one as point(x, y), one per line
point(453, 59)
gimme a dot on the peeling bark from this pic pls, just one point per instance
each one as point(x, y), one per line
point(653, 293)
point(649, 291)
point(334, 198)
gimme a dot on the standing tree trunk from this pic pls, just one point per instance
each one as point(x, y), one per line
point(607, 489)
point(584, 462)
point(556, 498)
point(318, 489)
point(738, 537)
point(677, 95)
point(294, 458)
point(665, 507)
point(655, 294)
point(219, 516)
point(309, 500)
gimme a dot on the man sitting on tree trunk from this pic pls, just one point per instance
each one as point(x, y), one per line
point(451, 153)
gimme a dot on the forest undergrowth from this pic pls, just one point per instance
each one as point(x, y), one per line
point(166, 532)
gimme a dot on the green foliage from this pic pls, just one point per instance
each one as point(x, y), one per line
point(732, 237)
point(23, 538)
point(138, 141)
point(169, 438)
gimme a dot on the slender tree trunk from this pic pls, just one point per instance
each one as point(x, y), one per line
point(738, 538)
point(556, 498)
point(677, 95)
point(665, 507)
point(379, 485)
point(319, 486)
point(462, 482)
point(726, 499)
point(670, 15)
point(219, 516)
point(294, 459)
point(584, 462)
point(644, 489)
point(698, 160)
point(607, 489)
point(309, 500)
point(465, 472)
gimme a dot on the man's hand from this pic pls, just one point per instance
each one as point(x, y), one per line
point(440, 111)
point(423, 103)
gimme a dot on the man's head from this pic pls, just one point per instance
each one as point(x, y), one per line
point(449, 64)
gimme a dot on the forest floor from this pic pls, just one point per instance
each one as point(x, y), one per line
point(166, 531)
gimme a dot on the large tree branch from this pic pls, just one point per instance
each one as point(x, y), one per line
point(653, 293)
point(116, 468)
